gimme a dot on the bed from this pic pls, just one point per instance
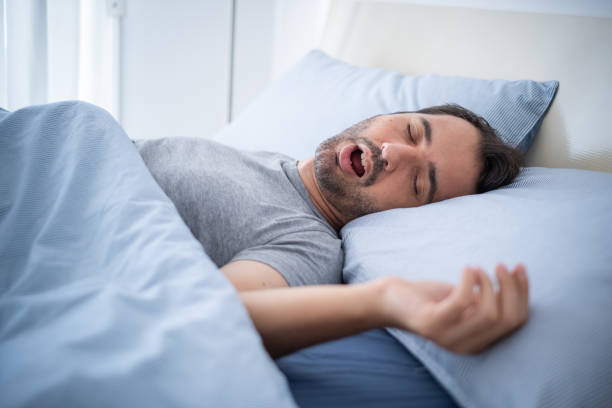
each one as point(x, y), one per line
point(106, 299)
point(541, 219)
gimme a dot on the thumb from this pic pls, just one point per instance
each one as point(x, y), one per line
point(436, 290)
point(461, 297)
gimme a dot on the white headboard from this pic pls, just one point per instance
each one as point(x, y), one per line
point(490, 44)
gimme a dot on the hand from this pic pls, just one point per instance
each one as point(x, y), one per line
point(457, 317)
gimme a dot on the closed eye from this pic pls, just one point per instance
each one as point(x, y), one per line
point(410, 135)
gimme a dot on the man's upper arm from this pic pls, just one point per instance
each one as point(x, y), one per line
point(252, 275)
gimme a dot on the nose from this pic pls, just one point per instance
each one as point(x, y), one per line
point(396, 155)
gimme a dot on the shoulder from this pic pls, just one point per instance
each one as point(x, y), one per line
point(319, 251)
point(306, 257)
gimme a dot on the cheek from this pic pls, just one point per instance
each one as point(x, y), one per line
point(390, 195)
point(458, 185)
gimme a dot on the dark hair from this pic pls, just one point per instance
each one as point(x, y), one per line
point(500, 162)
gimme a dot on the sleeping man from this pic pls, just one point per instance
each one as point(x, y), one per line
point(271, 224)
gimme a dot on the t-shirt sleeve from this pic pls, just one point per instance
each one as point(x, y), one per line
point(303, 258)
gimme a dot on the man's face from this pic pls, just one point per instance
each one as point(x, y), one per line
point(397, 161)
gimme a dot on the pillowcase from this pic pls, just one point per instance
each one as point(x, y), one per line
point(106, 299)
point(321, 96)
point(557, 222)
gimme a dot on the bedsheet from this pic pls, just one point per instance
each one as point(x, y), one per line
point(106, 299)
point(367, 370)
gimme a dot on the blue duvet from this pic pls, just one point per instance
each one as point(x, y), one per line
point(106, 299)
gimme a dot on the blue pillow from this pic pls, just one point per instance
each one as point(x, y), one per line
point(557, 222)
point(106, 299)
point(322, 96)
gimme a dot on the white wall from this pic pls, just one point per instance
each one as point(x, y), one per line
point(253, 50)
point(299, 26)
point(271, 36)
point(175, 55)
point(175, 67)
point(175, 59)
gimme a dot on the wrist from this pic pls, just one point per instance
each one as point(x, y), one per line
point(395, 306)
point(383, 305)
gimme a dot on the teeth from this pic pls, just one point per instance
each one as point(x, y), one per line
point(363, 161)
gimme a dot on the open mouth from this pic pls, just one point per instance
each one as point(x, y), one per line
point(358, 162)
point(353, 160)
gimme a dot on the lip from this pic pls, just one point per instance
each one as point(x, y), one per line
point(344, 159)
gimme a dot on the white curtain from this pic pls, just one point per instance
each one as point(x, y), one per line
point(53, 50)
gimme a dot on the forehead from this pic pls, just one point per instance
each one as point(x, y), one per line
point(447, 125)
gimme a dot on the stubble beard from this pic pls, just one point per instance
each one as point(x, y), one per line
point(346, 196)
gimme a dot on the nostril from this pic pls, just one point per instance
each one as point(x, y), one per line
point(386, 163)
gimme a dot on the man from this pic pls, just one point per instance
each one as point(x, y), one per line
point(271, 223)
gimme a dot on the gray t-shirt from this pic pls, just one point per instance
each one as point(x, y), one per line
point(246, 206)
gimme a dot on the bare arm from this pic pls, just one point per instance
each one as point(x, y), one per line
point(252, 275)
point(454, 316)
point(292, 318)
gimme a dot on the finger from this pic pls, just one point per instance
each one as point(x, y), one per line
point(480, 325)
point(523, 284)
point(489, 306)
point(512, 300)
point(521, 273)
point(461, 297)
point(509, 314)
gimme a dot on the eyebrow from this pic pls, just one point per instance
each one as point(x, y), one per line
point(433, 183)
point(427, 128)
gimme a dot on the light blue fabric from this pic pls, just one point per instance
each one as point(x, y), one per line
point(106, 299)
point(558, 222)
point(322, 96)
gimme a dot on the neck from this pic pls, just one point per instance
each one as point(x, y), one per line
point(331, 214)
